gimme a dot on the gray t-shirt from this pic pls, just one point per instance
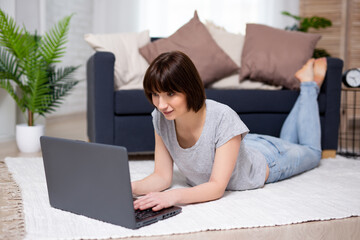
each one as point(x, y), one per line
point(196, 162)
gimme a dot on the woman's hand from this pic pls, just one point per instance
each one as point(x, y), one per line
point(155, 200)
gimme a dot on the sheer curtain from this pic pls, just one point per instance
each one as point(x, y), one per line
point(164, 17)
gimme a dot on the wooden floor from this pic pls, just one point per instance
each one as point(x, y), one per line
point(74, 127)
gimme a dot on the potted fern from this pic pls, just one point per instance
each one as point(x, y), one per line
point(28, 73)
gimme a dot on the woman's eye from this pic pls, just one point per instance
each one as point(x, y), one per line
point(154, 94)
point(171, 94)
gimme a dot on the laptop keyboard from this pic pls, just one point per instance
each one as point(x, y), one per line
point(142, 214)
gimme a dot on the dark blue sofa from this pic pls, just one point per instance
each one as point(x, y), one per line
point(124, 117)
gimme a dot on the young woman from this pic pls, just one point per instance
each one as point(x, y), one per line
point(210, 144)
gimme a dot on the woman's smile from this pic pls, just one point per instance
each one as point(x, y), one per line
point(167, 113)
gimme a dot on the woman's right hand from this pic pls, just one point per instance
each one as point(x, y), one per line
point(161, 178)
point(155, 200)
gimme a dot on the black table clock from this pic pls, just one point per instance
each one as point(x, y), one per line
point(351, 78)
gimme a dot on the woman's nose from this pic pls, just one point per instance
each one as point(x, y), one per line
point(162, 103)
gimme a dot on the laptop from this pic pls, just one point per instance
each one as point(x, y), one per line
point(93, 180)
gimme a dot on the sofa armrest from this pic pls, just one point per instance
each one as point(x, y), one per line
point(332, 90)
point(100, 97)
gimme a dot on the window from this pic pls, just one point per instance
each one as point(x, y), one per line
point(163, 17)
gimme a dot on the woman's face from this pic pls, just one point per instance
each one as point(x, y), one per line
point(171, 104)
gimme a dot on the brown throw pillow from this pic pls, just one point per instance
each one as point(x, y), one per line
point(273, 55)
point(194, 40)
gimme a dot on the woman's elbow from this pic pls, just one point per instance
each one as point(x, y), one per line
point(166, 182)
point(218, 192)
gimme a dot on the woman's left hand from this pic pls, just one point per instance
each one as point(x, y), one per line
point(154, 200)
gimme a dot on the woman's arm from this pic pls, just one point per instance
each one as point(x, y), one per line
point(161, 178)
point(224, 164)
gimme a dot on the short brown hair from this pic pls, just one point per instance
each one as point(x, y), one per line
point(175, 72)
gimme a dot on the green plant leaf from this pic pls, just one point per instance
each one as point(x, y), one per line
point(8, 66)
point(60, 84)
point(285, 13)
point(52, 93)
point(304, 23)
point(52, 44)
point(320, 52)
point(6, 84)
point(314, 22)
point(15, 39)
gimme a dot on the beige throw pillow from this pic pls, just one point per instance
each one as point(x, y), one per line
point(231, 43)
point(130, 66)
point(194, 40)
point(273, 55)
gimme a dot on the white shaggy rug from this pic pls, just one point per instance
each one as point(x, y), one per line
point(330, 191)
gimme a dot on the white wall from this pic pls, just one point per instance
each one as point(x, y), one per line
point(7, 104)
point(29, 13)
point(7, 116)
point(115, 16)
point(77, 51)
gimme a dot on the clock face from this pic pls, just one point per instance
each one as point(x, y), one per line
point(353, 78)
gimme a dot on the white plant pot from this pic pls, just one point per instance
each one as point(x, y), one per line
point(28, 137)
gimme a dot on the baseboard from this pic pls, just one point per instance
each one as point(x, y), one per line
point(328, 153)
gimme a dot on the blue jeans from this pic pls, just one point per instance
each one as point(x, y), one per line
point(299, 147)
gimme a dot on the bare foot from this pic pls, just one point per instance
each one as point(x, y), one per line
point(320, 66)
point(306, 73)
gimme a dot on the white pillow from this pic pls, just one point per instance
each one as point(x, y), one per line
point(231, 43)
point(232, 82)
point(130, 66)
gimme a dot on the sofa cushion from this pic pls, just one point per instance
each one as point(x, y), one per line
point(131, 102)
point(241, 101)
point(195, 41)
point(130, 66)
point(134, 132)
point(247, 101)
point(273, 55)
